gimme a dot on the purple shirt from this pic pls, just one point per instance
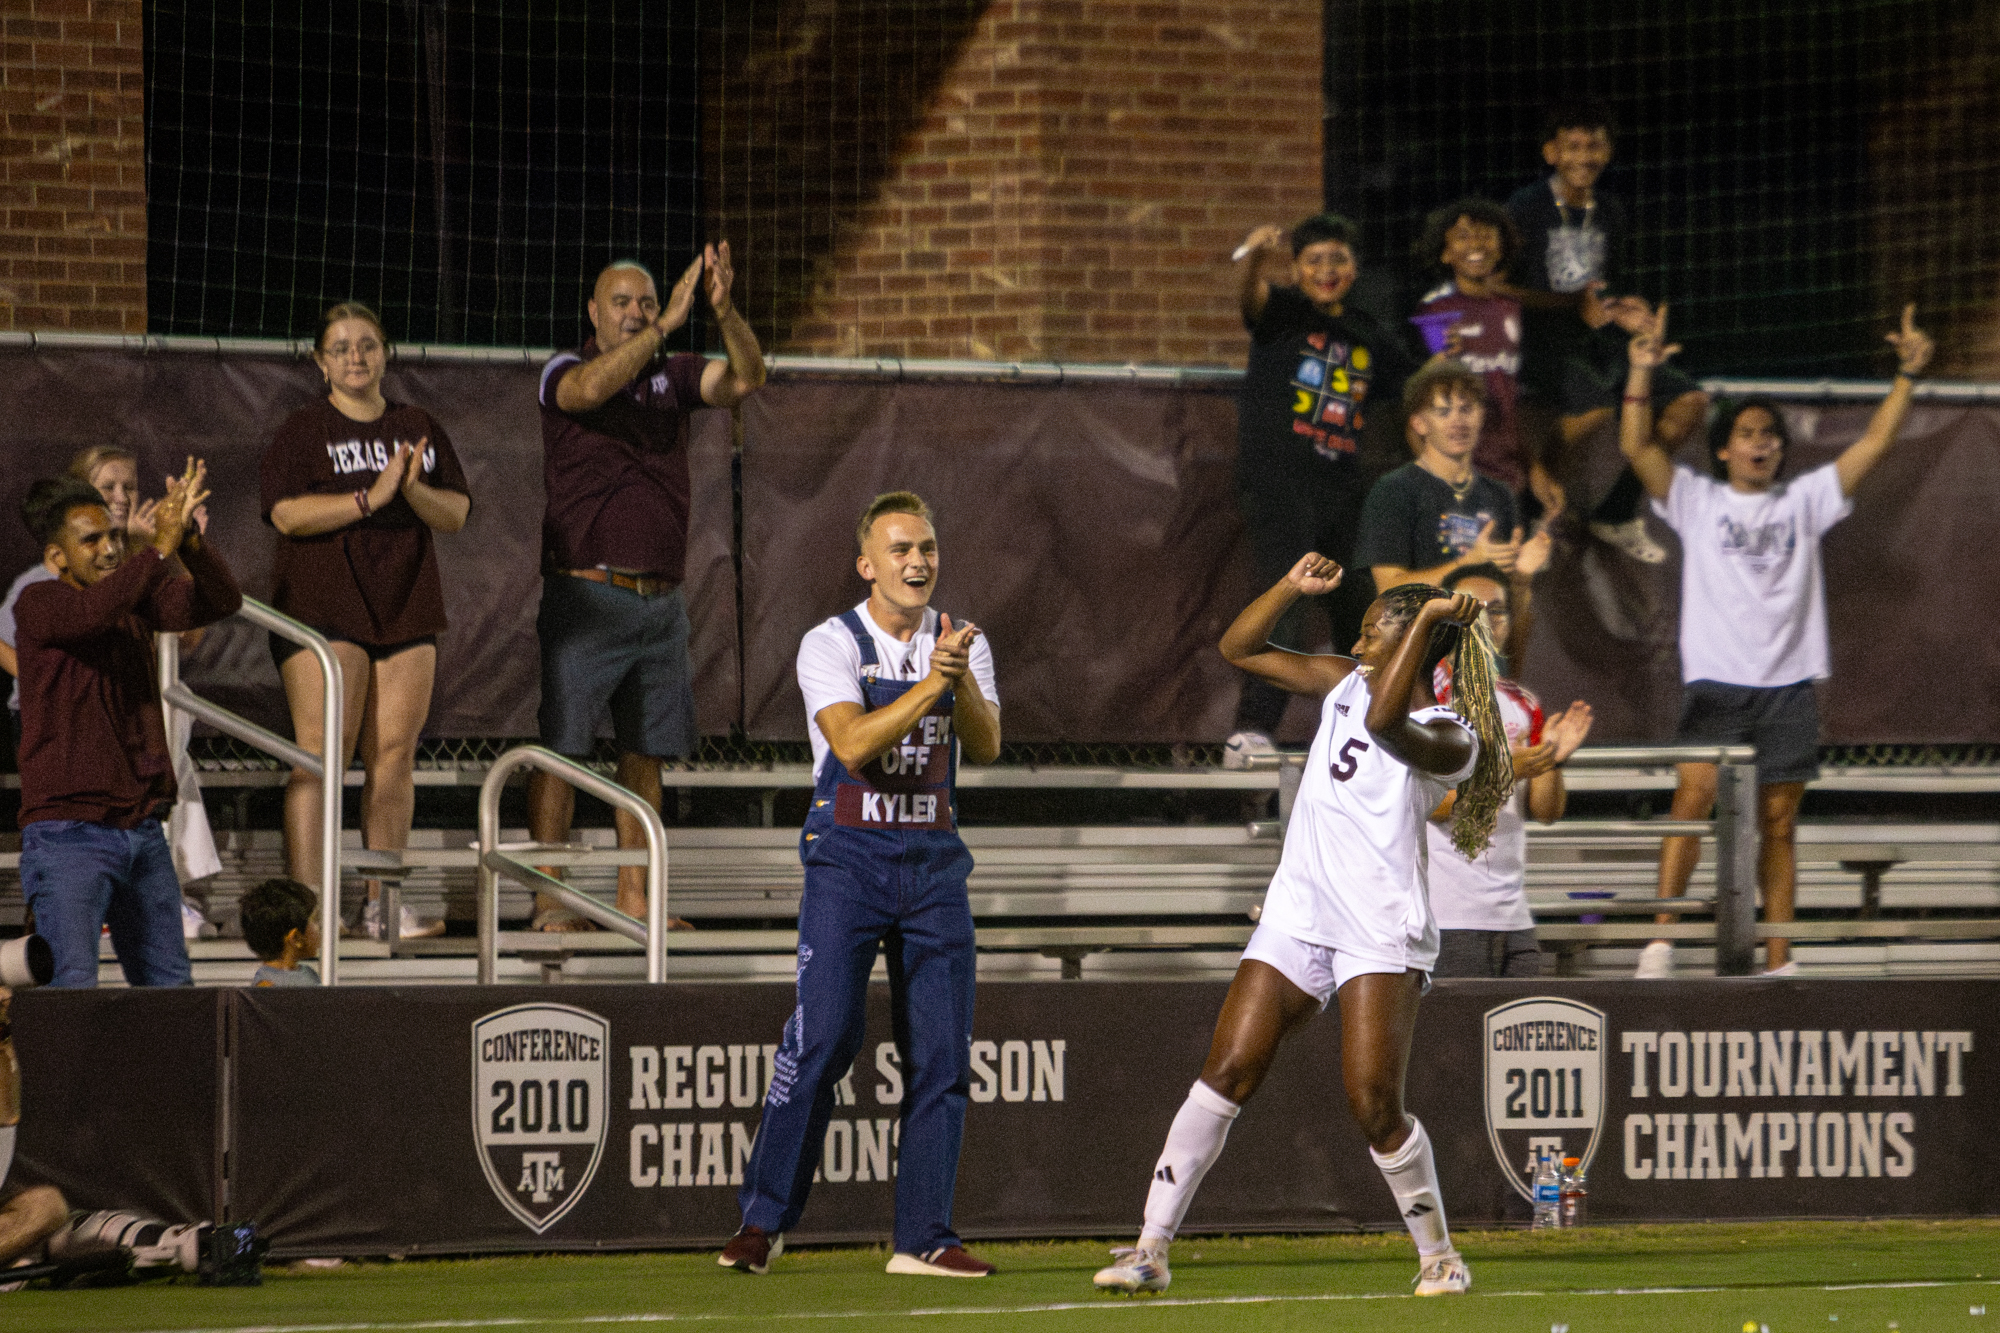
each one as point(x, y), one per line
point(617, 476)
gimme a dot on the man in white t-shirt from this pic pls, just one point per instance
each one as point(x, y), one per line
point(893, 691)
point(1753, 605)
point(1481, 903)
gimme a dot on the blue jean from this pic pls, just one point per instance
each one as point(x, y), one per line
point(79, 877)
point(916, 907)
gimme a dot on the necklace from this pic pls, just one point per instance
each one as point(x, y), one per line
point(1459, 490)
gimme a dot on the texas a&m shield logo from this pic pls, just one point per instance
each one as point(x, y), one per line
point(1544, 1078)
point(539, 1106)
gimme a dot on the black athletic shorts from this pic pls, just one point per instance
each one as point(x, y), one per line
point(1782, 721)
point(282, 649)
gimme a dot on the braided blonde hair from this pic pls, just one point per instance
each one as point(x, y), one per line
point(1491, 782)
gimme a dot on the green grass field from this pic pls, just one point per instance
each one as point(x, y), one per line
point(1828, 1277)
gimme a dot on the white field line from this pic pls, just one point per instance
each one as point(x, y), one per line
point(1059, 1307)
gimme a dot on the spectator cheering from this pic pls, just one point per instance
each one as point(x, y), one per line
point(613, 623)
point(1753, 605)
point(96, 775)
point(355, 485)
point(1315, 362)
point(1438, 513)
point(1484, 926)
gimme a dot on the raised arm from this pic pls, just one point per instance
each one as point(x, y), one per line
point(1246, 644)
point(1913, 352)
point(589, 385)
point(1647, 352)
point(1436, 747)
point(1255, 288)
point(209, 592)
point(725, 384)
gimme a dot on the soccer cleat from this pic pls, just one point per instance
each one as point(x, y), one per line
point(751, 1250)
point(1244, 746)
point(1632, 538)
point(944, 1261)
point(1141, 1268)
point(1656, 961)
point(1443, 1275)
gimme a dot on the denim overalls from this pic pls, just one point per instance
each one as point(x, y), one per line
point(884, 863)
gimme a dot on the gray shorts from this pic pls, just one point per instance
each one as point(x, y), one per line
point(1488, 953)
point(1782, 721)
point(606, 648)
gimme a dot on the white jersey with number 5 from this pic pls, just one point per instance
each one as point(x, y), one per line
point(1353, 874)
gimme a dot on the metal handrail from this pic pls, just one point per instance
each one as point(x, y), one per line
point(176, 695)
point(1734, 826)
point(493, 863)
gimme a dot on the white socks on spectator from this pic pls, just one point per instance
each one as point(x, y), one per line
point(1193, 1144)
point(1412, 1177)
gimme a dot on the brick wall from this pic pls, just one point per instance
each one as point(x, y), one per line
point(1068, 187)
point(72, 166)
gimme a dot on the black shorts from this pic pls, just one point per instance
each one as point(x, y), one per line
point(1488, 953)
point(1782, 721)
point(283, 649)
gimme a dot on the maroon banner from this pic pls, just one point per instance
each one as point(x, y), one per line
point(1090, 530)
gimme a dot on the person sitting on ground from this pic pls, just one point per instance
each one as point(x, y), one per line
point(281, 926)
point(1480, 902)
point(1438, 513)
point(1753, 606)
point(96, 776)
point(29, 1214)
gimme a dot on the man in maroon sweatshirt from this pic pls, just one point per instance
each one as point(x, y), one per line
point(96, 775)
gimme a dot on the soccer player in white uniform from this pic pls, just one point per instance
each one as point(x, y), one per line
point(1347, 911)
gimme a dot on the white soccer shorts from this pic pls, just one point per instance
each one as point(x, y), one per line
point(1319, 970)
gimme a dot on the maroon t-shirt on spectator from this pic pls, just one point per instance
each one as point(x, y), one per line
point(617, 477)
point(374, 581)
point(93, 744)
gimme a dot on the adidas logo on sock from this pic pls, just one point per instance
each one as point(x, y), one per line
point(1418, 1210)
point(1166, 1173)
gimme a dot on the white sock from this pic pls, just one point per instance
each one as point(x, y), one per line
point(1413, 1179)
point(1193, 1144)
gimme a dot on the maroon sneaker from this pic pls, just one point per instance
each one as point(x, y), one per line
point(751, 1251)
point(945, 1261)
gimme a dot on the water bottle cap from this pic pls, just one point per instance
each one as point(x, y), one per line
point(1572, 1161)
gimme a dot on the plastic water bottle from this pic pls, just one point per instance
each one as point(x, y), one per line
point(1575, 1195)
point(1548, 1193)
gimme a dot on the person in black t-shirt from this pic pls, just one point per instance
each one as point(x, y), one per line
point(1437, 514)
point(1317, 366)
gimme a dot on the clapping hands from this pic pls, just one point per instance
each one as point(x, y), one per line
point(952, 657)
point(173, 513)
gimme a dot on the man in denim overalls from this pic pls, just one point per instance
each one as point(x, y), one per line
point(893, 690)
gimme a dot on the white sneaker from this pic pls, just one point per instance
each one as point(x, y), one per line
point(1656, 961)
point(410, 926)
point(1790, 968)
point(1632, 538)
point(1445, 1275)
point(1241, 748)
point(1141, 1268)
point(194, 925)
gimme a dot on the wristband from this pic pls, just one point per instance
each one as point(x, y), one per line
point(361, 503)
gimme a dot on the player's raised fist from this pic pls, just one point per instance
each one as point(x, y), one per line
point(1315, 575)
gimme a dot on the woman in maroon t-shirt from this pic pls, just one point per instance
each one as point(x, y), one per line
point(355, 484)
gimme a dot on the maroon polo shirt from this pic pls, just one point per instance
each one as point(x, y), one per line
point(374, 581)
point(93, 743)
point(617, 477)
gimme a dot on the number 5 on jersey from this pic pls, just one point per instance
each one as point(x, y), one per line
point(1348, 760)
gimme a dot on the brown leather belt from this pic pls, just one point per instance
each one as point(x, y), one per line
point(646, 585)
